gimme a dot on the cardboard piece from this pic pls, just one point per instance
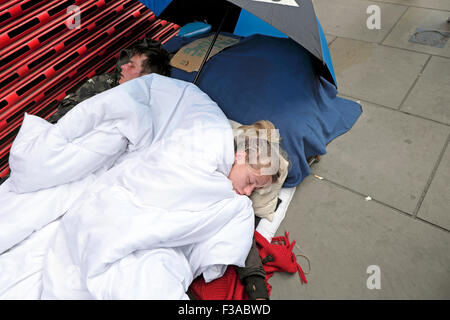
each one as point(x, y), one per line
point(190, 57)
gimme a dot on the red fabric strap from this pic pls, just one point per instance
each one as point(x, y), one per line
point(229, 287)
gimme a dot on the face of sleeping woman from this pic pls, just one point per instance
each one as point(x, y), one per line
point(245, 179)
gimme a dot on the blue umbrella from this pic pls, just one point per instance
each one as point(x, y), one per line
point(295, 19)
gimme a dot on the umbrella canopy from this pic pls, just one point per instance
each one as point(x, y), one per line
point(293, 18)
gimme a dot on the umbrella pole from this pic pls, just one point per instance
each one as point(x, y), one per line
point(212, 43)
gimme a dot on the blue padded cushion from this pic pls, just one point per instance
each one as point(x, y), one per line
point(268, 78)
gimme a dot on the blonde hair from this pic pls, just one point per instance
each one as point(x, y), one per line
point(261, 143)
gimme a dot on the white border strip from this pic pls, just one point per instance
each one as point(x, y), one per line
point(268, 229)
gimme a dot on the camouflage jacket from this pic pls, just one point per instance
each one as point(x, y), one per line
point(90, 88)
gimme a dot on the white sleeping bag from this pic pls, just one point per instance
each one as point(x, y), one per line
point(159, 210)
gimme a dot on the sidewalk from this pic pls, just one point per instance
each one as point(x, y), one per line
point(398, 153)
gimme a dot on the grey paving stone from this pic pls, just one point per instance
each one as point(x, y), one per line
point(348, 18)
point(342, 235)
point(387, 155)
point(420, 18)
point(432, 4)
point(430, 96)
point(436, 205)
point(330, 38)
point(373, 72)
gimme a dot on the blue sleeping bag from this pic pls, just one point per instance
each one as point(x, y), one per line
point(268, 78)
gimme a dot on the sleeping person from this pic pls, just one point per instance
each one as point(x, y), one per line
point(247, 178)
point(143, 57)
point(165, 200)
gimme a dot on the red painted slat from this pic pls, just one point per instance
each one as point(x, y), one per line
point(16, 92)
point(42, 54)
point(34, 20)
point(54, 50)
point(11, 54)
point(5, 4)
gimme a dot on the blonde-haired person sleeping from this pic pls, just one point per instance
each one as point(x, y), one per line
point(256, 164)
point(259, 163)
point(264, 198)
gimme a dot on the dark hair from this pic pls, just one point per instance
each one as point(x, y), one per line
point(157, 60)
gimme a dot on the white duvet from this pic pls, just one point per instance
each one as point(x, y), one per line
point(138, 175)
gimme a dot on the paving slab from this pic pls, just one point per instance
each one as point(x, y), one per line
point(432, 4)
point(430, 96)
point(334, 18)
point(330, 38)
point(420, 18)
point(342, 235)
point(387, 155)
point(373, 72)
point(436, 205)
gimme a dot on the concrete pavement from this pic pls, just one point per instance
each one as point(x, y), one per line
point(397, 153)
